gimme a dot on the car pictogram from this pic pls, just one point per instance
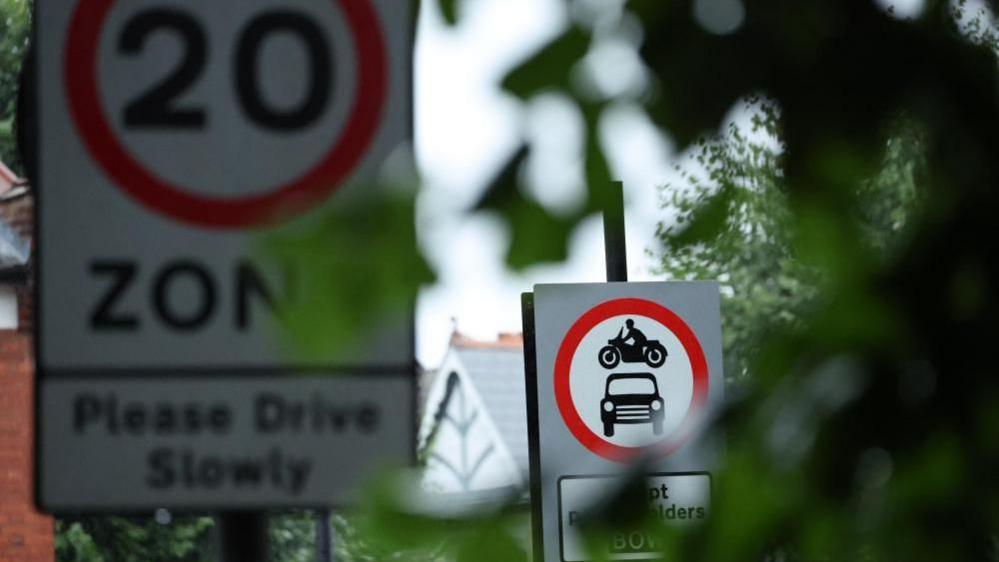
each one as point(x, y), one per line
point(631, 398)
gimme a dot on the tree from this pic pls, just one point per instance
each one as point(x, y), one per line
point(766, 288)
point(15, 35)
point(750, 254)
point(293, 537)
point(121, 539)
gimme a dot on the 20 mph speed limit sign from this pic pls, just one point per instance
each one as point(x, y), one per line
point(175, 135)
point(226, 116)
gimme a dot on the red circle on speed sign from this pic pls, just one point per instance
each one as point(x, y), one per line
point(296, 197)
point(563, 372)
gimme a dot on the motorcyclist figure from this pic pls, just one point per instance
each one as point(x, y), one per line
point(634, 335)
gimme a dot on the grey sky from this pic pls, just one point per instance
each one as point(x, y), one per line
point(465, 127)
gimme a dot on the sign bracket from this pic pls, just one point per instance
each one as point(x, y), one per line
point(533, 443)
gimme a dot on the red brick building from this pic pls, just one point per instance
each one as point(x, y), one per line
point(25, 535)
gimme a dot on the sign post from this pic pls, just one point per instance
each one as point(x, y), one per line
point(619, 373)
point(172, 137)
point(615, 248)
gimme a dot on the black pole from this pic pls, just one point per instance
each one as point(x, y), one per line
point(244, 536)
point(533, 438)
point(614, 241)
point(324, 546)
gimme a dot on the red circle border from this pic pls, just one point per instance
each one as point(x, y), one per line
point(562, 372)
point(299, 196)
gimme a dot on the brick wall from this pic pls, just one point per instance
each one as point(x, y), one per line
point(25, 535)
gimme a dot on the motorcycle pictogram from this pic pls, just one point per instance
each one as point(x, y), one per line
point(618, 349)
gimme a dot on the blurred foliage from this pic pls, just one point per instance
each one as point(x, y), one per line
point(538, 235)
point(867, 427)
point(733, 224)
point(388, 527)
point(121, 539)
point(352, 271)
point(15, 30)
point(449, 9)
point(293, 539)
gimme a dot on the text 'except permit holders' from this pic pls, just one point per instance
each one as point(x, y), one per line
point(673, 499)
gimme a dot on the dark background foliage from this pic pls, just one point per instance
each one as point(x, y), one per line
point(15, 30)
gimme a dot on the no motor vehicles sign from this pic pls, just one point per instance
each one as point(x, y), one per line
point(621, 372)
point(172, 135)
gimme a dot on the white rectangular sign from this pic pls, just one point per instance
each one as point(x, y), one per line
point(619, 373)
point(176, 140)
point(674, 499)
point(211, 442)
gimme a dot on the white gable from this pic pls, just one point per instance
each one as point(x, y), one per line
point(461, 446)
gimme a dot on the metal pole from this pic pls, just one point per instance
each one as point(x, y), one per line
point(614, 242)
point(244, 536)
point(324, 538)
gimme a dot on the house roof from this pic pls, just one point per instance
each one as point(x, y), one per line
point(505, 341)
point(497, 372)
point(491, 375)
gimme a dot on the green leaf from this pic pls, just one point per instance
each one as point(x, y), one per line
point(503, 191)
point(449, 9)
point(705, 222)
point(350, 272)
point(551, 67)
point(536, 234)
point(598, 173)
